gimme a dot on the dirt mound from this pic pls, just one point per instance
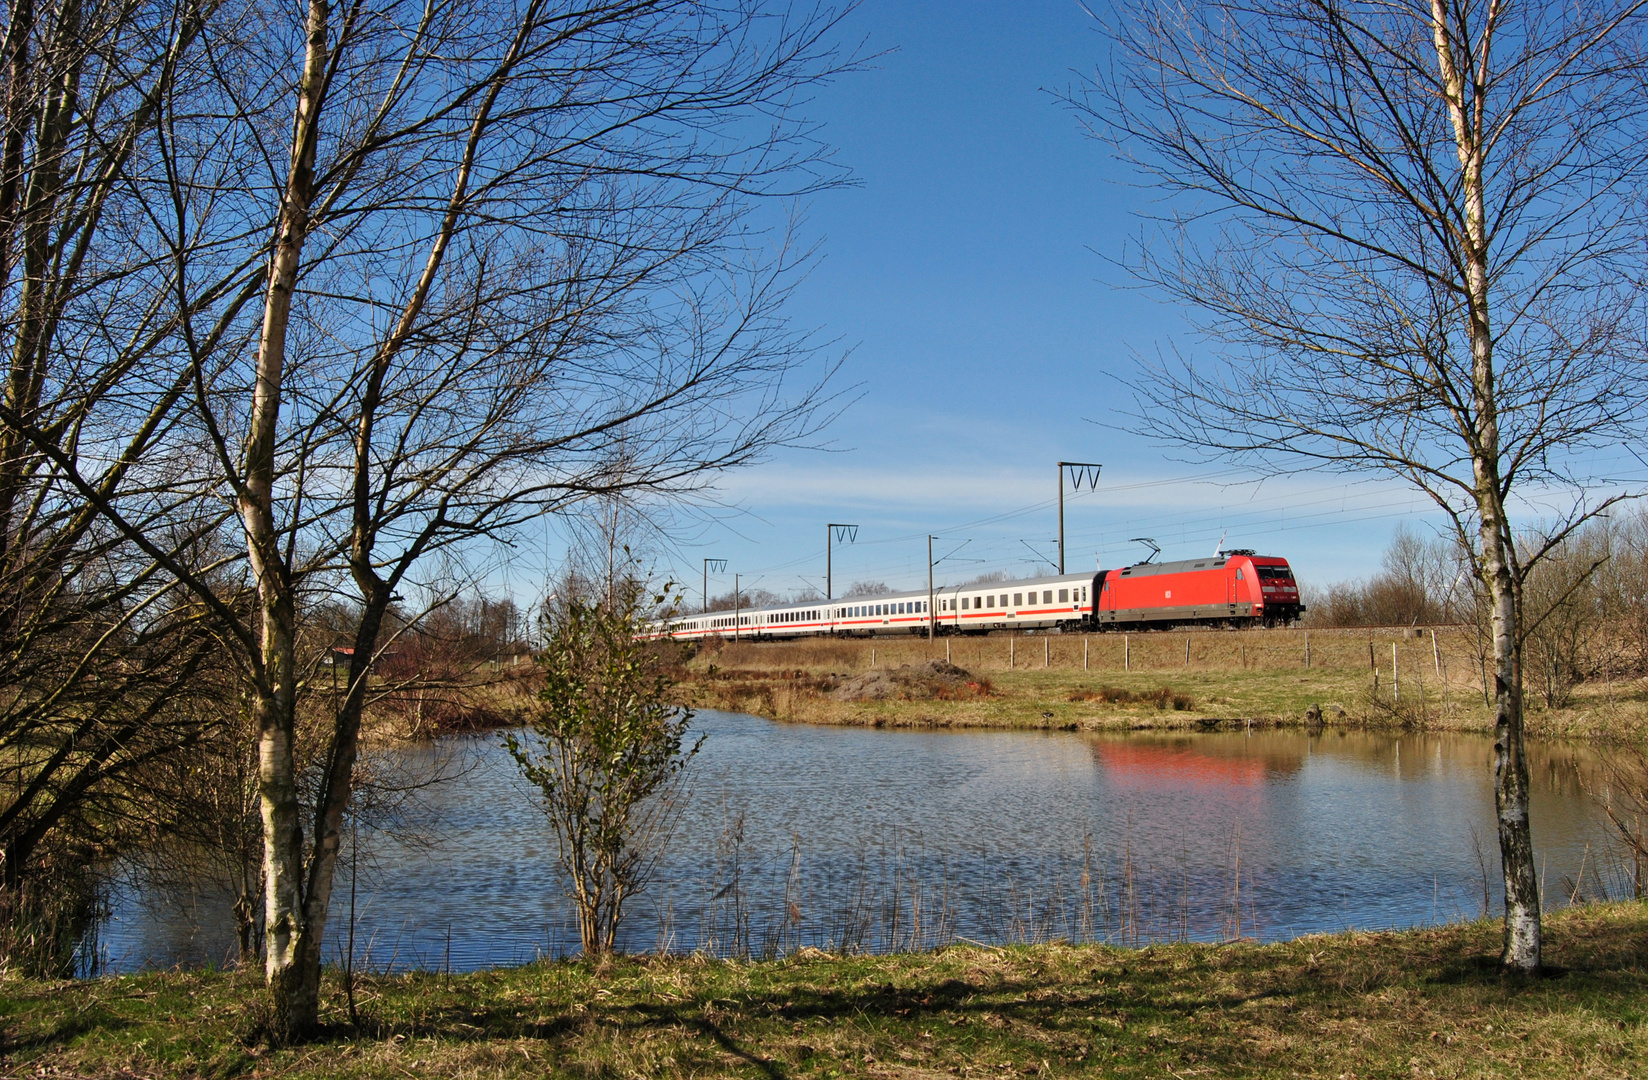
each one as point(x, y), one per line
point(923, 682)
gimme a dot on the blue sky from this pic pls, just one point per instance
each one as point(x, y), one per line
point(966, 275)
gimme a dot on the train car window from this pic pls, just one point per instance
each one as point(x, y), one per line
point(990, 601)
point(1084, 591)
point(1064, 596)
point(1047, 596)
point(966, 604)
point(1017, 599)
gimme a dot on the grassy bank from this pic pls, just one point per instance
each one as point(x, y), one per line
point(1420, 1003)
point(1090, 682)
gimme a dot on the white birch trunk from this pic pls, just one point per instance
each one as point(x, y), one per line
point(1522, 917)
point(295, 997)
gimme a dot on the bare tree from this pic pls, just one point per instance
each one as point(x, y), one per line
point(109, 669)
point(499, 258)
point(1414, 233)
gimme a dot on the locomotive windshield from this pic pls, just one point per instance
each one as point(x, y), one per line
point(1281, 573)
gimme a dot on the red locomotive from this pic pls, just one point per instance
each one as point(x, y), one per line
point(1237, 586)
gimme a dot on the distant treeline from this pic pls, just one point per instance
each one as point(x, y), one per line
point(1585, 608)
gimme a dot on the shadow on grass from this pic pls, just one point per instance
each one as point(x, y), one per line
point(60, 1035)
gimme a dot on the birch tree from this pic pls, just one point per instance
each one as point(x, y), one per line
point(1413, 233)
point(421, 273)
point(108, 667)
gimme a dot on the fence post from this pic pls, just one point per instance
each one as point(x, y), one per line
point(946, 650)
point(1012, 641)
point(1127, 652)
point(1046, 652)
point(1086, 642)
point(1436, 651)
point(1187, 650)
point(1396, 679)
point(1307, 650)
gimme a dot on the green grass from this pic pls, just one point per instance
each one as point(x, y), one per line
point(1231, 678)
point(1414, 1004)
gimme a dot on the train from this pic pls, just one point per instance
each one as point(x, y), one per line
point(1236, 587)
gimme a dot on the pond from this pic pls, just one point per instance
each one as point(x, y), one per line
point(864, 838)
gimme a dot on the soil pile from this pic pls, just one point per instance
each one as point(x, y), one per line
point(936, 679)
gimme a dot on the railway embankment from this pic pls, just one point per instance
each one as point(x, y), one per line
point(1418, 1003)
point(1396, 678)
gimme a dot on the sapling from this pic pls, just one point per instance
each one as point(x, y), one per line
point(606, 750)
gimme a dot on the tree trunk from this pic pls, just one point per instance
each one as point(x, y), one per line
point(1522, 922)
point(291, 964)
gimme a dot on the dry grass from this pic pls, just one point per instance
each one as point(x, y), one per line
point(1425, 1003)
point(1146, 681)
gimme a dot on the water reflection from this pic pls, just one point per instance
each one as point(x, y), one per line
point(865, 838)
